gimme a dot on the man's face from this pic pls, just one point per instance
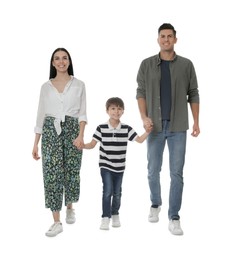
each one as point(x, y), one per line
point(166, 40)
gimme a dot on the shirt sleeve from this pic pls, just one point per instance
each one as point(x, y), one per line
point(97, 135)
point(193, 93)
point(40, 113)
point(141, 91)
point(82, 113)
point(132, 135)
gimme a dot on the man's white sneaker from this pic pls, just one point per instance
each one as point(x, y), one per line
point(105, 223)
point(154, 214)
point(116, 221)
point(175, 228)
point(70, 216)
point(54, 230)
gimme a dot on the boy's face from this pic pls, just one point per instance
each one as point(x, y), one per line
point(115, 112)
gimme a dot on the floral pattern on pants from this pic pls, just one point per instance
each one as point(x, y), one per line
point(61, 163)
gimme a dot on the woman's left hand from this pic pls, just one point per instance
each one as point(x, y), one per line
point(79, 143)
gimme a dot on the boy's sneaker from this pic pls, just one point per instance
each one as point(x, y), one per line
point(175, 228)
point(154, 214)
point(115, 221)
point(70, 216)
point(105, 223)
point(54, 230)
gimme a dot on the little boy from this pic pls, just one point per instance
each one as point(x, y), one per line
point(113, 137)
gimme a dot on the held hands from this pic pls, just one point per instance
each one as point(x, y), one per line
point(147, 124)
point(79, 143)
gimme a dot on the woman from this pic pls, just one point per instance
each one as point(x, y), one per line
point(61, 121)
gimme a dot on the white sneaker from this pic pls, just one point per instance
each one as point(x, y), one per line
point(154, 214)
point(105, 223)
point(175, 228)
point(54, 230)
point(70, 216)
point(115, 221)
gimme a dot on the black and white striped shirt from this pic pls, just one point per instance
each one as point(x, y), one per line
point(113, 145)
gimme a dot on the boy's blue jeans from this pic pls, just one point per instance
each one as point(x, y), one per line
point(112, 191)
point(177, 146)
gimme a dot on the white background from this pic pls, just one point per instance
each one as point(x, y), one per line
point(107, 41)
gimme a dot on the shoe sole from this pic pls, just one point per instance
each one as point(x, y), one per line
point(53, 235)
point(176, 234)
point(153, 220)
point(116, 224)
point(104, 228)
point(70, 221)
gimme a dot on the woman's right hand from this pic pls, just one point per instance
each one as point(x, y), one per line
point(35, 154)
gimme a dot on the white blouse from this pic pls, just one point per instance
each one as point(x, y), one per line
point(72, 102)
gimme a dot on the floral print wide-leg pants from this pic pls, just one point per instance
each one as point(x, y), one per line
point(61, 162)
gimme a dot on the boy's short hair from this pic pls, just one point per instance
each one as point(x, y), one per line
point(167, 26)
point(114, 101)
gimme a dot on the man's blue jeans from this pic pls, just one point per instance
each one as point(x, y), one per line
point(112, 191)
point(155, 147)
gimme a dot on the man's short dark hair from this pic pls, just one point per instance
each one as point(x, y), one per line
point(167, 26)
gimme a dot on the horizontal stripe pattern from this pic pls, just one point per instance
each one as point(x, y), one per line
point(113, 145)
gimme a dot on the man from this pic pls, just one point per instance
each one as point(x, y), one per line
point(167, 82)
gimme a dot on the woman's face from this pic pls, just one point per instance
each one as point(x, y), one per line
point(61, 61)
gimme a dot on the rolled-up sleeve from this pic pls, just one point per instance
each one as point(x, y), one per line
point(141, 91)
point(82, 112)
point(40, 114)
point(193, 92)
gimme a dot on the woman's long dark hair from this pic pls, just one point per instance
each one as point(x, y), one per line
point(53, 69)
